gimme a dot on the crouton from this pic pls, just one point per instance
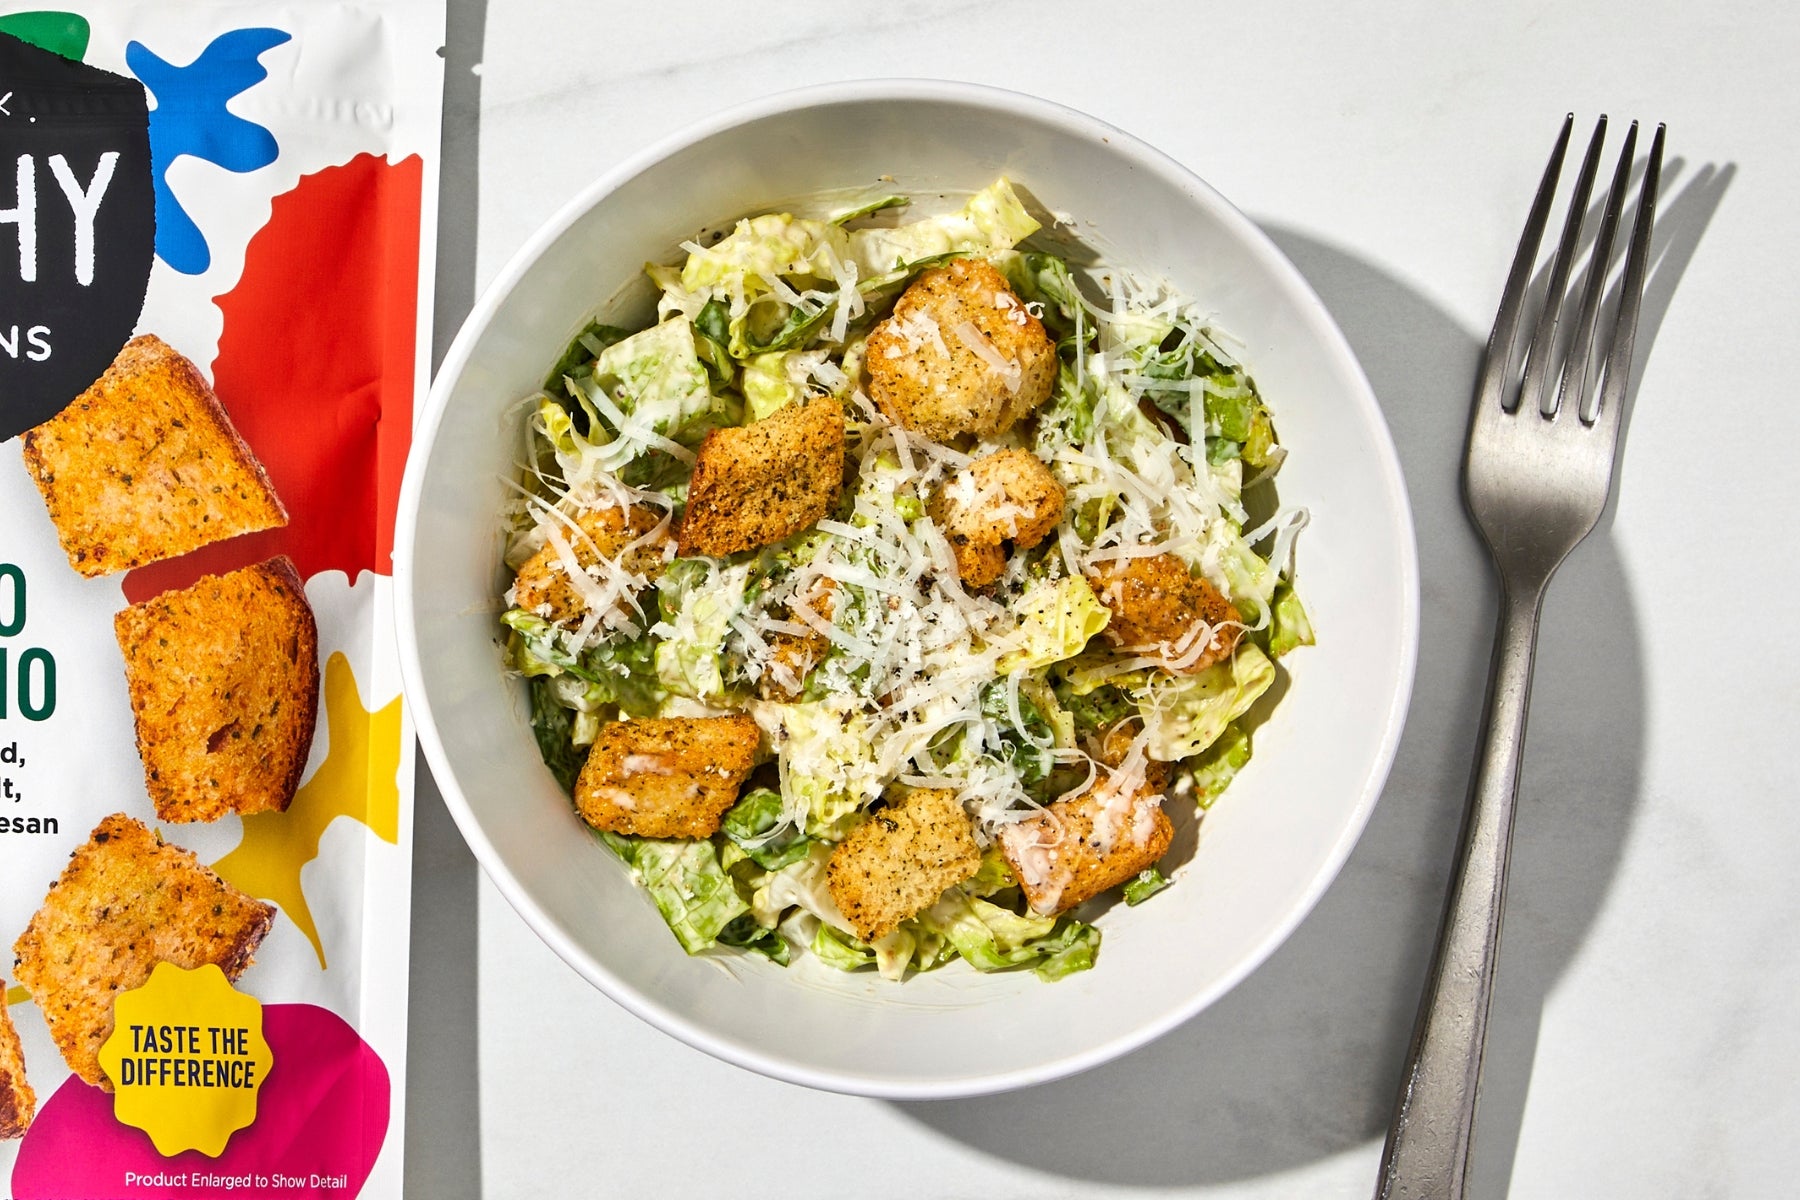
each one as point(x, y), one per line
point(543, 586)
point(793, 656)
point(756, 484)
point(1078, 848)
point(1159, 607)
point(18, 1103)
point(224, 685)
point(123, 904)
point(791, 659)
point(900, 860)
point(666, 777)
point(1114, 745)
point(960, 354)
point(145, 465)
point(1003, 499)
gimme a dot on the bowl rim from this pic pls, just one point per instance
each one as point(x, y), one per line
point(1007, 102)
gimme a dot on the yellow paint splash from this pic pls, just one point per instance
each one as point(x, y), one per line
point(357, 779)
point(16, 995)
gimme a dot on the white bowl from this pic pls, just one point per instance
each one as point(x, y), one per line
point(1268, 849)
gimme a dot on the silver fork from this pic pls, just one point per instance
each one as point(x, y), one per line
point(1536, 476)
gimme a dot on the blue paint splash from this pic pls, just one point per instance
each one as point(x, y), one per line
point(190, 118)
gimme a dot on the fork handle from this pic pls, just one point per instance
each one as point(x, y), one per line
point(1427, 1151)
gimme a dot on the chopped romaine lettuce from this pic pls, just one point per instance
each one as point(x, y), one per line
point(1232, 421)
point(869, 209)
point(1260, 449)
point(766, 384)
point(1100, 709)
point(550, 725)
point(775, 379)
point(1232, 410)
point(698, 600)
point(801, 884)
point(620, 673)
point(993, 219)
point(1118, 416)
point(831, 771)
point(746, 933)
point(1135, 335)
point(1289, 625)
point(993, 876)
point(992, 938)
point(642, 403)
point(581, 459)
point(987, 936)
point(1045, 280)
point(911, 945)
point(1067, 419)
point(1248, 580)
point(537, 649)
point(1056, 619)
point(624, 674)
point(877, 289)
point(583, 349)
point(1042, 696)
point(756, 825)
point(769, 325)
point(689, 886)
point(712, 342)
point(1027, 740)
point(763, 249)
point(1219, 764)
point(1149, 881)
point(838, 949)
point(1070, 949)
point(1187, 713)
point(659, 387)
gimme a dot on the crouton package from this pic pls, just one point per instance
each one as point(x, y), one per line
point(216, 221)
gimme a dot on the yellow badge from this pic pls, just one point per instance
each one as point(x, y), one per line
point(186, 1057)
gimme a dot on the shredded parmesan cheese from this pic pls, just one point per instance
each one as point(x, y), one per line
point(1010, 372)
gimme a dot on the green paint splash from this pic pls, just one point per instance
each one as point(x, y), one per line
point(63, 33)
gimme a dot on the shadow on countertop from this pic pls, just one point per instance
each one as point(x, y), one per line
point(443, 1084)
point(1301, 1060)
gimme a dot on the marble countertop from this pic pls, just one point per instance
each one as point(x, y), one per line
point(1641, 1040)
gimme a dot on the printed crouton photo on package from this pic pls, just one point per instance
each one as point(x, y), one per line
point(146, 465)
point(224, 683)
point(127, 901)
point(18, 1103)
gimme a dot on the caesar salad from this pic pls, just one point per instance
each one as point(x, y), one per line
point(884, 596)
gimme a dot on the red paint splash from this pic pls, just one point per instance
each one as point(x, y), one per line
point(316, 368)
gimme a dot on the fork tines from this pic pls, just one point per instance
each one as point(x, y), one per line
point(1551, 379)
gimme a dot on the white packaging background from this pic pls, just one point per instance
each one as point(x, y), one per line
point(352, 79)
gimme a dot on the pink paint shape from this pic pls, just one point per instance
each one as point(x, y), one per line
point(321, 1118)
